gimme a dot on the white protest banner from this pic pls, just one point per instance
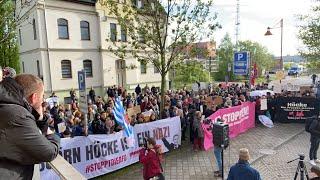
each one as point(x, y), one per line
point(277, 88)
point(195, 87)
point(264, 104)
point(203, 85)
point(201, 108)
point(61, 127)
point(52, 100)
point(96, 155)
point(293, 87)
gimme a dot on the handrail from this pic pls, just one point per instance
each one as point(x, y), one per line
point(65, 170)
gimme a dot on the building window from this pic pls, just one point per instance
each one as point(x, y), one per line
point(123, 35)
point(63, 30)
point(155, 69)
point(138, 4)
point(120, 64)
point(66, 69)
point(143, 67)
point(134, 3)
point(113, 31)
point(23, 70)
point(85, 30)
point(20, 37)
point(87, 66)
point(34, 29)
point(142, 38)
point(38, 68)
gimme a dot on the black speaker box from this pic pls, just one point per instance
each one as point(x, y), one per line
point(220, 133)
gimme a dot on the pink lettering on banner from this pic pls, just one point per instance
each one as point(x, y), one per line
point(240, 119)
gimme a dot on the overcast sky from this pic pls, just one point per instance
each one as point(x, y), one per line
point(257, 15)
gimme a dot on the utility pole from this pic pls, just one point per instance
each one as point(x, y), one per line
point(210, 68)
point(237, 25)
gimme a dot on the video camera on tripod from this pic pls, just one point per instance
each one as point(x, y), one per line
point(301, 168)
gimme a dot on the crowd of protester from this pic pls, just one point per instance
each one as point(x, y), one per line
point(190, 105)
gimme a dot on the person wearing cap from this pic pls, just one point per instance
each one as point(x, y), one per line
point(242, 170)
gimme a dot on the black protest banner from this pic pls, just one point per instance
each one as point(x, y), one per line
point(295, 109)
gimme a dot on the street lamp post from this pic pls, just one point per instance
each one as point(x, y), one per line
point(268, 33)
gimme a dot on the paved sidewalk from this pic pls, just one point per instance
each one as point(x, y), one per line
point(275, 166)
point(184, 163)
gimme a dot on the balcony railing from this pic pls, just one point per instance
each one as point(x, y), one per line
point(64, 170)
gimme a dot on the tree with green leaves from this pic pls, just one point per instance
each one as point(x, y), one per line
point(9, 52)
point(160, 30)
point(190, 72)
point(225, 57)
point(259, 55)
point(287, 66)
point(309, 33)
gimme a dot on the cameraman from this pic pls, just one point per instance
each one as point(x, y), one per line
point(314, 130)
point(150, 157)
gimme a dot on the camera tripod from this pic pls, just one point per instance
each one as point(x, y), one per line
point(301, 168)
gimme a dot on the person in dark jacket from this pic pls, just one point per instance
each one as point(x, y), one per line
point(22, 143)
point(98, 126)
point(314, 77)
point(242, 169)
point(92, 95)
point(314, 130)
point(138, 90)
point(73, 95)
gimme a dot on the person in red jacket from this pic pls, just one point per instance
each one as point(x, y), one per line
point(150, 157)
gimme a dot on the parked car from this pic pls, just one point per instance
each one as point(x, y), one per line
point(294, 71)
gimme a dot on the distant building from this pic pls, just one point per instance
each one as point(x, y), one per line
point(58, 38)
point(294, 59)
point(288, 59)
point(205, 53)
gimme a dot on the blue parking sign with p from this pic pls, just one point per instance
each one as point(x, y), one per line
point(241, 63)
point(82, 80)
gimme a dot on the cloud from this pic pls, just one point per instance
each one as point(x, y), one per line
point(257, 15)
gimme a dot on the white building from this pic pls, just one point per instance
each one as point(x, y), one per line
point(60, 37)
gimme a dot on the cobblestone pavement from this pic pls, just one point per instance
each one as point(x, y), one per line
point(282, 143)
point(275, 166)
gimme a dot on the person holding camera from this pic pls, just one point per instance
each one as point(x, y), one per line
point(150, 156)
point(314, 130)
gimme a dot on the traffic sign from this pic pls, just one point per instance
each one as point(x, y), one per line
point(82, 80)
point(280, 75)
point(83, 103)
point(241, 63)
